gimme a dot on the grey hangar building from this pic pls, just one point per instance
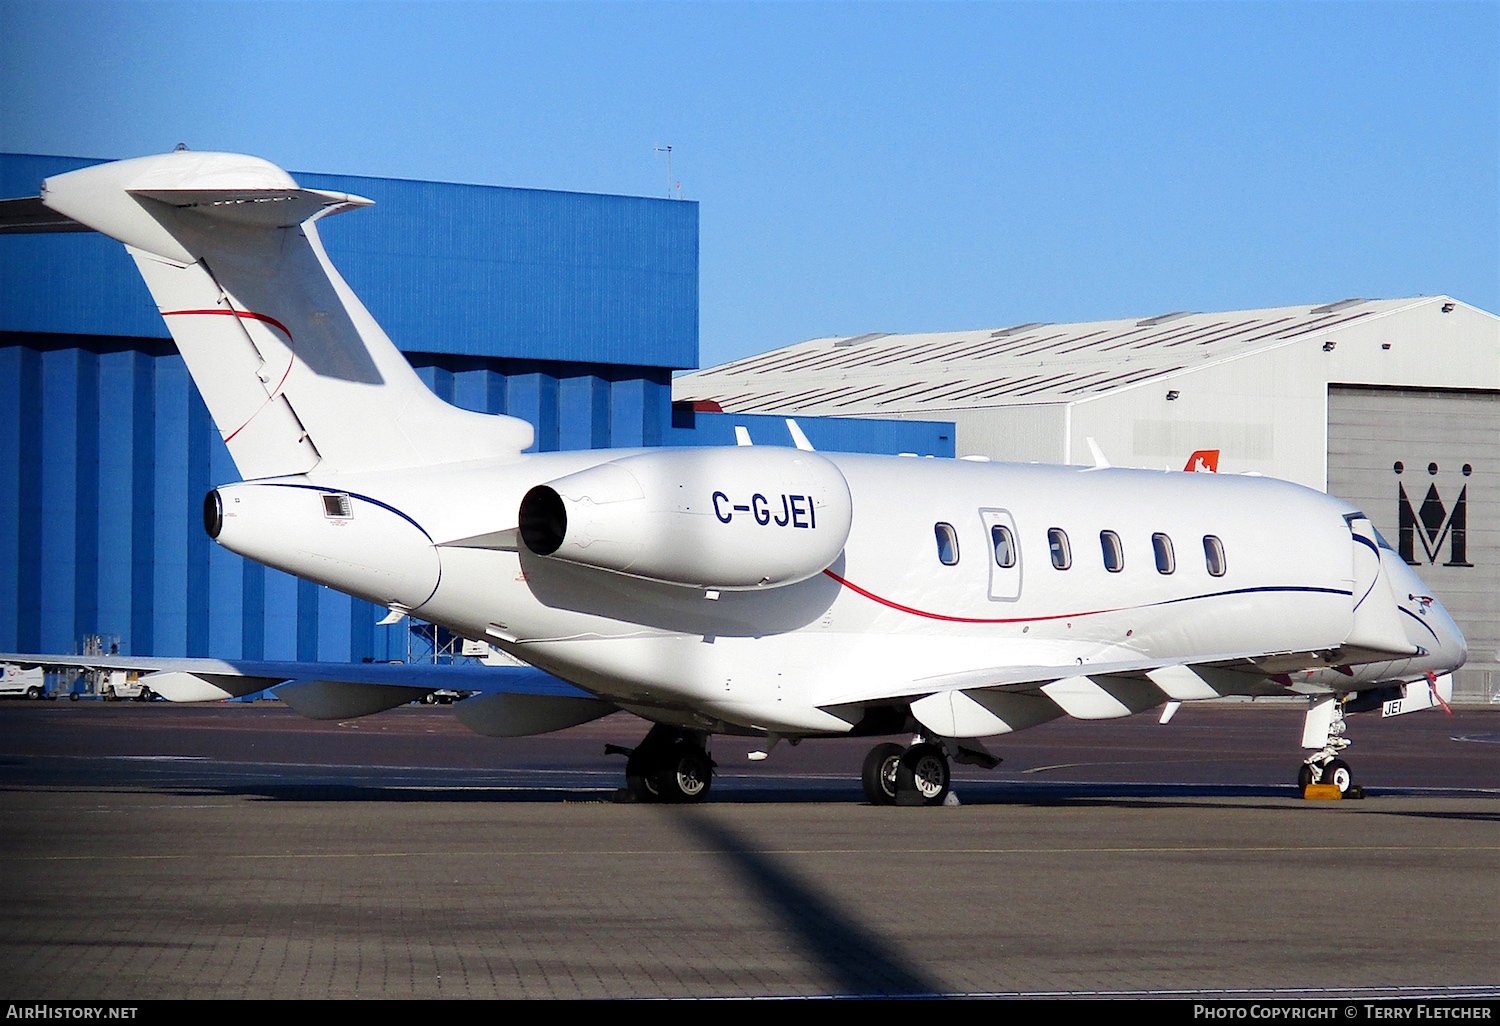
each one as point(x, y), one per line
point(1393, 405)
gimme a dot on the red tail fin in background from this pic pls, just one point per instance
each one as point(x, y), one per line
point(1203, 460)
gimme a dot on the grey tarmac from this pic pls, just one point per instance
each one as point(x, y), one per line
point(236, 851)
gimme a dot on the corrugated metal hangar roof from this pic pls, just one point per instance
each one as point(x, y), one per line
point(883, 374)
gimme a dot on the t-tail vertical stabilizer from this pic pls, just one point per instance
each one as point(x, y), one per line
point(295, 371)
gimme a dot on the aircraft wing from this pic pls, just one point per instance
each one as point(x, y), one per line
point(513, 701)
point(1241, 673)
point(1031, 678)
point(997, 700)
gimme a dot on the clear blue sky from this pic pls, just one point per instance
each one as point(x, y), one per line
point(860, 167)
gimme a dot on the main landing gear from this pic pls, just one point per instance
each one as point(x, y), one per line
point(1327, 766)
point(669, 765)
point(918, 775)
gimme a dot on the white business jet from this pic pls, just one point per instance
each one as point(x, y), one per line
point(765, 591)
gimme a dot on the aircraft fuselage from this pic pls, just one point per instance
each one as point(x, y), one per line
point(890, 609)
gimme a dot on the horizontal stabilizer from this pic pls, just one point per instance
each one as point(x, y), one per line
point(259, 208)
point(30, 216)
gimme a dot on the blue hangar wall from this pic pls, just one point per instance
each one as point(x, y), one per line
point(568, 310)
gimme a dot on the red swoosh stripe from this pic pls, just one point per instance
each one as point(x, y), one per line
point(956, 619)
point(242, 314)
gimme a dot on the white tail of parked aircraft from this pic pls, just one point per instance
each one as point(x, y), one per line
point(749, 589)
point(294, 370)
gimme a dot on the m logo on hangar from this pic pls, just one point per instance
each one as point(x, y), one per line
point(1433, 522)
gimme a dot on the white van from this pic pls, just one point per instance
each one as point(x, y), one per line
point(18, 683)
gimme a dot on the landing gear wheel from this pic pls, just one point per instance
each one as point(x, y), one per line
point(686, 777)
point(640, 777)
point(1304, 776)
point(1337, 773)
point(669, 765)
point(922, 776)
point(879, 776)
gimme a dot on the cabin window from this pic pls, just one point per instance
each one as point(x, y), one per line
point(1213, 555)
point(1057, 542)
point(1114, 552)
point(1166, 560)
point(947, 543)
point(337, 506)
point(1005, 545)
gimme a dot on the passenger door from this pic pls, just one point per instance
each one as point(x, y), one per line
point(1004, 547)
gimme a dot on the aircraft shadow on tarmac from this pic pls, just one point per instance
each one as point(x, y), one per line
point(855, 959)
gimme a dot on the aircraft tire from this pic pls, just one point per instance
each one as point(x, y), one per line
point(879, 775)
point(641, 789)
point(640, 776)
point(1337, 772)
point(686, 775)
point(1304, 776)
point(922, 776)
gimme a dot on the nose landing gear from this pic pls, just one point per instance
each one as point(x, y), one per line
point(1325, 726)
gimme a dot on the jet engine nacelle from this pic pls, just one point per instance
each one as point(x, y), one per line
point(741, 518)
point(353, 543)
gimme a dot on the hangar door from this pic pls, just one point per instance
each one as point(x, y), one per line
point(1424, 465)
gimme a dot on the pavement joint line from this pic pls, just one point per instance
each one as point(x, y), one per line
point(1061, 765)
point(646, 852)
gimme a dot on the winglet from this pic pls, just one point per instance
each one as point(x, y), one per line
point(798, 438)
